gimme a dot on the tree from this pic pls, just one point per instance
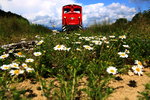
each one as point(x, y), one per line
point(121, 21)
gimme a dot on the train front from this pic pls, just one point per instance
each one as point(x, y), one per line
point(71, 17)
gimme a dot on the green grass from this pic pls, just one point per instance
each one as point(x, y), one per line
point(13, 29)
point(68, 67)
point(145, 95)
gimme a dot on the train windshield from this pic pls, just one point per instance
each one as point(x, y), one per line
point(66, 10)
point(77, 10)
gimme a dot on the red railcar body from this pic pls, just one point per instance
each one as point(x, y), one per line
point(71, 17)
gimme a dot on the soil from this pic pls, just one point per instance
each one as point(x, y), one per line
point(126, 87)
point(33, 89)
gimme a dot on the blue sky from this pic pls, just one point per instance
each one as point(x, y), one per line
point(48, 12)
point(106, 2)
point(143, 4)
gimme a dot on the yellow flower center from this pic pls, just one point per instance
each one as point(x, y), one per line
point(16, 72)
point(126, 50)
point(24, 65)
point(139, 63)
point(5, 67)
point(30, 70)
point(87, 47)
point(138, 69)
point(122, 36)
point(123, 54)
point(112, 71)
point(4, 56)
point(19, 53)
point(15, 66)
point(59, 46)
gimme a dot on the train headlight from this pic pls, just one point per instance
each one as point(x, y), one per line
point(78, 17)
point(64, 16)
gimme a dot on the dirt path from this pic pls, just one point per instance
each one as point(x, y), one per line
point(123, 89)
point(127, 87)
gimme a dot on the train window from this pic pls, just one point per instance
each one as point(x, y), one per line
point(66, 10)
point(77, 10)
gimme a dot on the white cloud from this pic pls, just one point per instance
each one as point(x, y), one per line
point(37, 11)
point(98, 12)
point(44, 11)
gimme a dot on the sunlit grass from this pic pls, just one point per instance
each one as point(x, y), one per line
point(70, 58)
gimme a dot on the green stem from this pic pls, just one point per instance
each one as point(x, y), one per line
point(73, 84)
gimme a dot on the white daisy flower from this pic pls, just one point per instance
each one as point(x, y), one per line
point(123, 54)
point(37, 36)
point(16, 72)
point(78, 49)
point(14, 65)
point(67, 49)
point(126, 46)
point(77, 34)
point(103, 38)
point(87, 39)
point(29, 69)
point(80, 38)
point(77, 42)
point(137, 70)
point(107, 46)
point(40, 42)
point(97, 42)
point(24, 65)
point(4, 56)
point(139, 63)
point(37, 53)
point(66, 37)
point(19, 54)
point(29, 60)
point(5, 67)
point(88, 47)
point(112, 36)
point(59, 47)
point(122, 37)
point(107, 42)
point(55, 31)
point(11, 51)
point(111, 70)
point(91, 37)
point(127, 51)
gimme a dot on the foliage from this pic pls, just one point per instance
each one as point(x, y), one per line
point(121, 21)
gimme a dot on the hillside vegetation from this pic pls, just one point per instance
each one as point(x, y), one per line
point(13, 27)
point(139, 26)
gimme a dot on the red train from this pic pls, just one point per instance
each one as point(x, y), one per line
point(71, 17)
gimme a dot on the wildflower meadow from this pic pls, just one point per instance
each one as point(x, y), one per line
point(71, 66)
